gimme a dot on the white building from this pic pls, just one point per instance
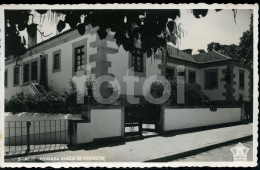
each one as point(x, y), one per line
point(69, 54)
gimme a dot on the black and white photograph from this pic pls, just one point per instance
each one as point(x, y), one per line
point(128, 85)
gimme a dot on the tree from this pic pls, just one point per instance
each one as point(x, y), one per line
point(201, 51)
point(246, 45)
point(242, 52)
point(229, 50)
point(154, 28)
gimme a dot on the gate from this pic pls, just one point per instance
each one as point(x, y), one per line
point(142, 118)
point(37, 136)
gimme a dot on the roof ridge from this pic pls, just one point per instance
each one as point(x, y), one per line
point(222, 54)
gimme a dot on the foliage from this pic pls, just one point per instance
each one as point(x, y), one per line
point(194, 95)
point(89, 83)
point(246, 45)
point(45, 102)
point(14, 43)
point(229, 50)
point(17, 103)
point(156, 89)
point(243, 52)
point(71, 98)
point(128, 25)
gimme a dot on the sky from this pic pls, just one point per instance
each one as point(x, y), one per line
point(214, 27)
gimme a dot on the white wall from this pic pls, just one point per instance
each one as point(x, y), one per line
point(104, 123)
point(120, 67)
point(178, 118)
point(59, 80)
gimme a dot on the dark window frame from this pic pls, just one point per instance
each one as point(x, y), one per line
point(6, 78)
point(24, 67)
point(30, 71)
point(79, 58)
point(241, 83)
point(16, 76)
point(211, 86)
point(56, 58)
point(190, 72)
point(34, 73)
point(170, 77)
point(137, 60)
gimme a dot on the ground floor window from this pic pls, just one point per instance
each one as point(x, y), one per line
point(169, 74)
point(241, 79)
point(192, 77)
point(26, 72)
point(211, 79)
point(6, 78)
point(56, 61)
point(34, 70)
point(16, 75)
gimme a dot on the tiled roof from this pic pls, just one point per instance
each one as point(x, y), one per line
point(206, 57)
point(176, 53)
point(211, 56)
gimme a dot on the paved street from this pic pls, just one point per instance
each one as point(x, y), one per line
point(222, 154)
point(148, 149)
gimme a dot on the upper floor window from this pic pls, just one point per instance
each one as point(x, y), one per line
point(211, 79)
point(56, 61)
point(34, 70)
point(16, 75)
point(79, 58)
point(6, 78)
point(137, 60)
point(26, 73)
point(241, 79)
point(192, 77)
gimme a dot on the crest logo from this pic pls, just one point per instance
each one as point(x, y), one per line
point(239, 152)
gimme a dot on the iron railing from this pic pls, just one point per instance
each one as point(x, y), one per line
point(24, 137)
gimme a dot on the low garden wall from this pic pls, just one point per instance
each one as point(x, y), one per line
point(183, 118)
point(106, 122)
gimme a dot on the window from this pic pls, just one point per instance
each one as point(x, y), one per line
point(79, 58)
point(192, 77)
point(16, 75)
point(6, 78)
point(56, 61)
point(169, 74)
point(241, 79)
point(211, 79)
point(34, 70)
point(137, 60)
point(26, 72)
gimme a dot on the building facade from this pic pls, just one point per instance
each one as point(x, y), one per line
point(70, 55)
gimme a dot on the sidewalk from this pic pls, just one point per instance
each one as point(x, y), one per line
point(151, 149)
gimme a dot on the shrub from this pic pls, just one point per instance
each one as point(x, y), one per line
point(45, 102)
point(17, 103)
point(156, 89)
point(194, 95)
point(71, 98)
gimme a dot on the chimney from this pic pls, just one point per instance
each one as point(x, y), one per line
point(201, 51)
point(189, 51)
point(32, 34)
